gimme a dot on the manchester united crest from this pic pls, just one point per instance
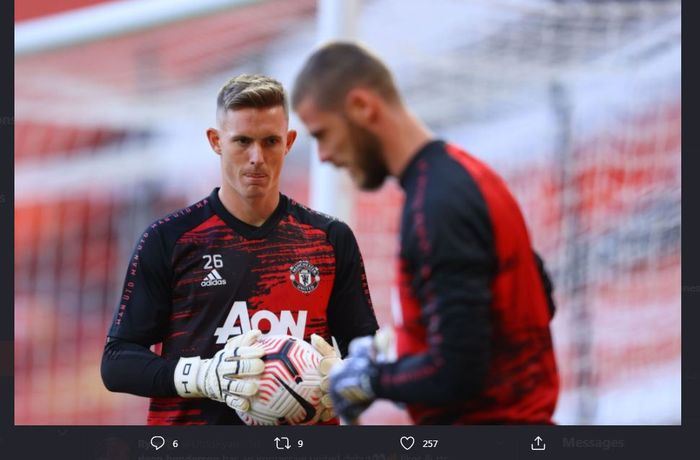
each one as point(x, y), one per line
point(304, 276)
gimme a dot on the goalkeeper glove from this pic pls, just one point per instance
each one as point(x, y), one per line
point(218, 378)
point(330, 357)
point(384, 345)
point(350, 381)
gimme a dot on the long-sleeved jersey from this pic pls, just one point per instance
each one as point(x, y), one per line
point(473, 334)
point(200, 276)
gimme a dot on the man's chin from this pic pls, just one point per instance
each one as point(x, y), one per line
point(365, 182)
point(369, 184)
point(256, 192)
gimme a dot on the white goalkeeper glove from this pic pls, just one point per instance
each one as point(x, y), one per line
point(384, 345)
point(217, 378)
point(330, 357)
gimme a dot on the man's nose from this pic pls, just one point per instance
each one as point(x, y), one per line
point(256, 153)
point(324, 155)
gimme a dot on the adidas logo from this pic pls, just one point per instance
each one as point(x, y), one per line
point(213, 279)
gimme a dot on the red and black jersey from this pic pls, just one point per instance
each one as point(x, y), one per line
point(473, 334)
point(200, 276)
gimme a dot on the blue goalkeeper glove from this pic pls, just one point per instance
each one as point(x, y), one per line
point(350, 380)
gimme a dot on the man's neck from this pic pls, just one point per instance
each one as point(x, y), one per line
point(252, 211)
point(406, 135)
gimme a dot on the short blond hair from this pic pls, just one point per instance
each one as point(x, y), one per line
point(251, 91)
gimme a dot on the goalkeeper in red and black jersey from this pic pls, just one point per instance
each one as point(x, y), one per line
point(207, 280)
point(472, 337)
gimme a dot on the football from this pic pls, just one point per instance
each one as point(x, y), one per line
point(289, 391)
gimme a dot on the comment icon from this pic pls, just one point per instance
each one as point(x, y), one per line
point(157, 442)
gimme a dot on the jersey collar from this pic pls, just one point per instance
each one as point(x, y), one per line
point(248, 231)
point(433, 145)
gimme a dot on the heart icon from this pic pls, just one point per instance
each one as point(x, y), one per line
point(407, 442)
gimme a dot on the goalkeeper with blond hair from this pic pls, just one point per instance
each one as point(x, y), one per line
point(204, 280)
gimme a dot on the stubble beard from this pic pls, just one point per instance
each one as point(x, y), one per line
point(369, 158)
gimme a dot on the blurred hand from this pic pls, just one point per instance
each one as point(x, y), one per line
point(350, 381)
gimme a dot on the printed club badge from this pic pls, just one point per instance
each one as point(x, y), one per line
point(304, 276)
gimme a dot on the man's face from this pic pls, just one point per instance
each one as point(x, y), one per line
point(252, 143)
point(345, 144)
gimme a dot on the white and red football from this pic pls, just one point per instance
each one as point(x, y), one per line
point(289, 390)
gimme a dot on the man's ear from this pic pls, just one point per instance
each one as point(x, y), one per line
point(361, 106)
point(214, 140)
point(291, 137)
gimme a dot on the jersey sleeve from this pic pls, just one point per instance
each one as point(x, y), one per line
point(128, 367)
point(144, 306)
point(350, 312)
point(449, 255)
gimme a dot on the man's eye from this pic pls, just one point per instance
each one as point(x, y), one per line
point(242, 141)
point(272, 141)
